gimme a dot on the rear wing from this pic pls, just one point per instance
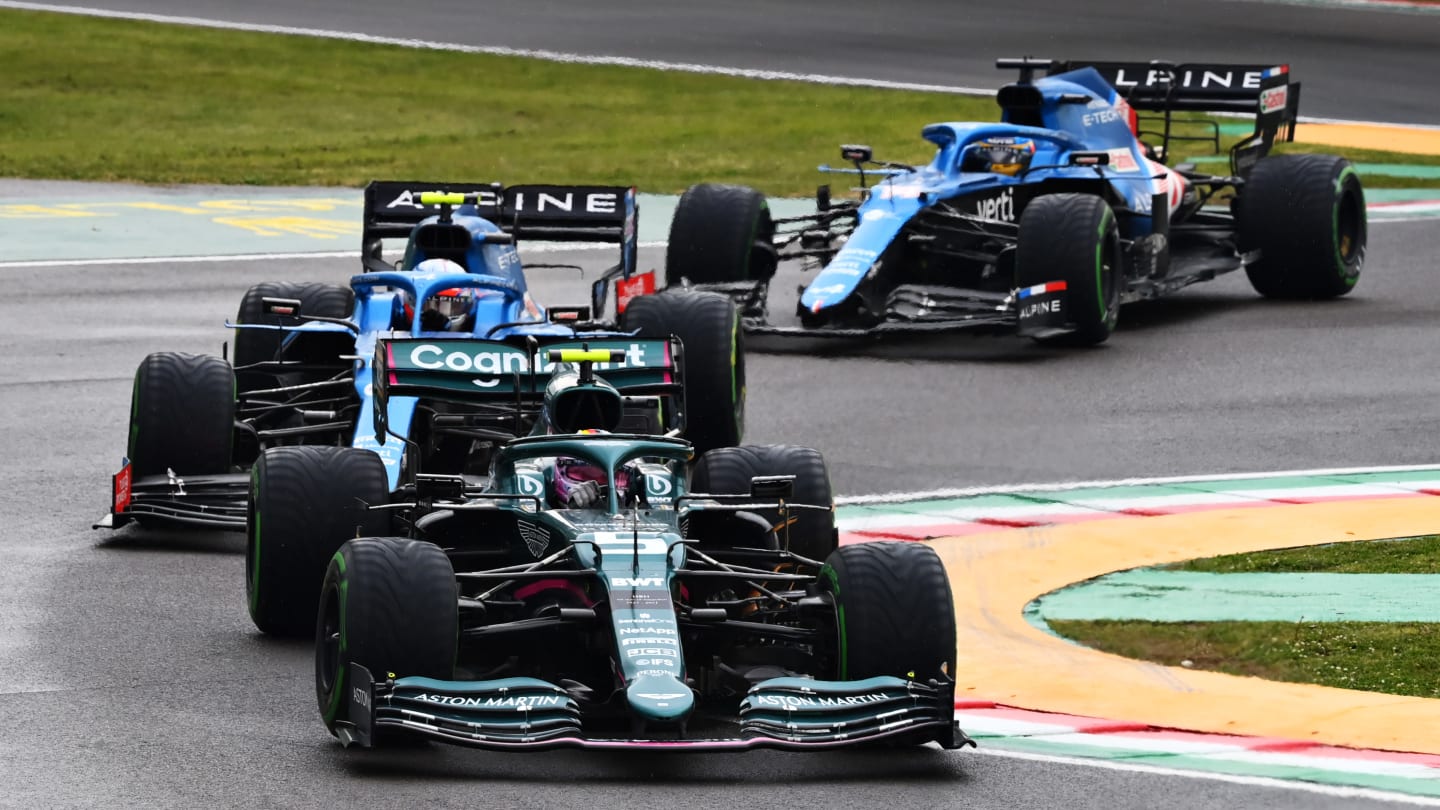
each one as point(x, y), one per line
point(543, 213)
point(1264, 91)
point(512, 374)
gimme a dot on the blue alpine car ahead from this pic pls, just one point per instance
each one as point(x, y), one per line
point(1048, 221)
point(302, 369)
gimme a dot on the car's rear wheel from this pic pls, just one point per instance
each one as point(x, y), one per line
point(304, 502)
point(1073, 238)
point(728, 470)
point(182, 415)
point(1305, 214)
point(260, 345)
point(390, 605)
point(720, 233)
point(708, 326)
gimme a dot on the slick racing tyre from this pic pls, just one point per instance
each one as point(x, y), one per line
point(894, 612)
point(719, 234)
point(708, 326)
point(304, 502)
point(1073, 238)
point(728, 470)
point(1306, 216)
point(259, 345)
point(182, 415)
point(389, 604)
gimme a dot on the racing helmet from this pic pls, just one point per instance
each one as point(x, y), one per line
point(446, 310)
point(573, 472)
point(1007, 156)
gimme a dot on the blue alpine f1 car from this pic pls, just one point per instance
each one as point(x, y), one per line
point(302, 368)
point(1047, 222)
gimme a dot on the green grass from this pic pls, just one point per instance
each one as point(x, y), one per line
point(1396, 658)
point(1419, 555)
point(96, 99)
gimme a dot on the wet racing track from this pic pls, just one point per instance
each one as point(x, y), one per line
point(130, 675)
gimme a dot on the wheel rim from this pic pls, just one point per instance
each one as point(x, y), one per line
point(1347, 228)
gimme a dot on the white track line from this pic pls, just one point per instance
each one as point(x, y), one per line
point(1005, 489)
point(557, 56)
point(1334, 791)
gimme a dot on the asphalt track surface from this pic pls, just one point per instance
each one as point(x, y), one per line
point(1354, 63)
point(141, 682)
point(131, 676)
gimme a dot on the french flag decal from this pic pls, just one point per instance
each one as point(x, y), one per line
point(1041, 289)
point(1275, 71)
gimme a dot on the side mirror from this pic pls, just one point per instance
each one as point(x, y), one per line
point(281, 306)
point(856, 153)
point(1089, 158)
point(772, 487)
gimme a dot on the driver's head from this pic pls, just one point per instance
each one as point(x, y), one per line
point(572, 473)
point(1007, 156)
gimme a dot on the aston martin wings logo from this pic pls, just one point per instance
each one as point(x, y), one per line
point(537, 538)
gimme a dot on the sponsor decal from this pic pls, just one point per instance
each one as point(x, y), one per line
point(504, 361)
point(633, 287)
point(121, 487)
point(662, 695)
point(874, 214)
point(1274, 99)
point(636, 600)
point(630, 642)
point(637, 582)
point(1101, 117)
point(1001, 208)
point(390, 454)
point(1051, 307)
point(852, 261)
point(655, 662)
point(816, 701)
point(829, 289)
point(639, 651)
point(1122, 161)
point(360, 697)
point(654, 631)
point(570, 202)
point(1196, 79)
point(518, 702)
point(537, 538)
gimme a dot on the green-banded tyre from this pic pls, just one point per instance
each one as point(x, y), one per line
point(389, 604)
point(728, 470)
point(304, 502)
point(894, 611)
point(1305, 214)
point(1073, 238)
point(259, 345)
point(708, 326)
point(720, 233)
point(182, 415)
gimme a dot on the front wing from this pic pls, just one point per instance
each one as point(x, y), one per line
point(202, 501)
point(526, 714)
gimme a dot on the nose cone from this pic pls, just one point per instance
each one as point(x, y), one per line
point(660, 697)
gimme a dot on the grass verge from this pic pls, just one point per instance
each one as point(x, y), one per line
point(1395, 658)
point(98, 99)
